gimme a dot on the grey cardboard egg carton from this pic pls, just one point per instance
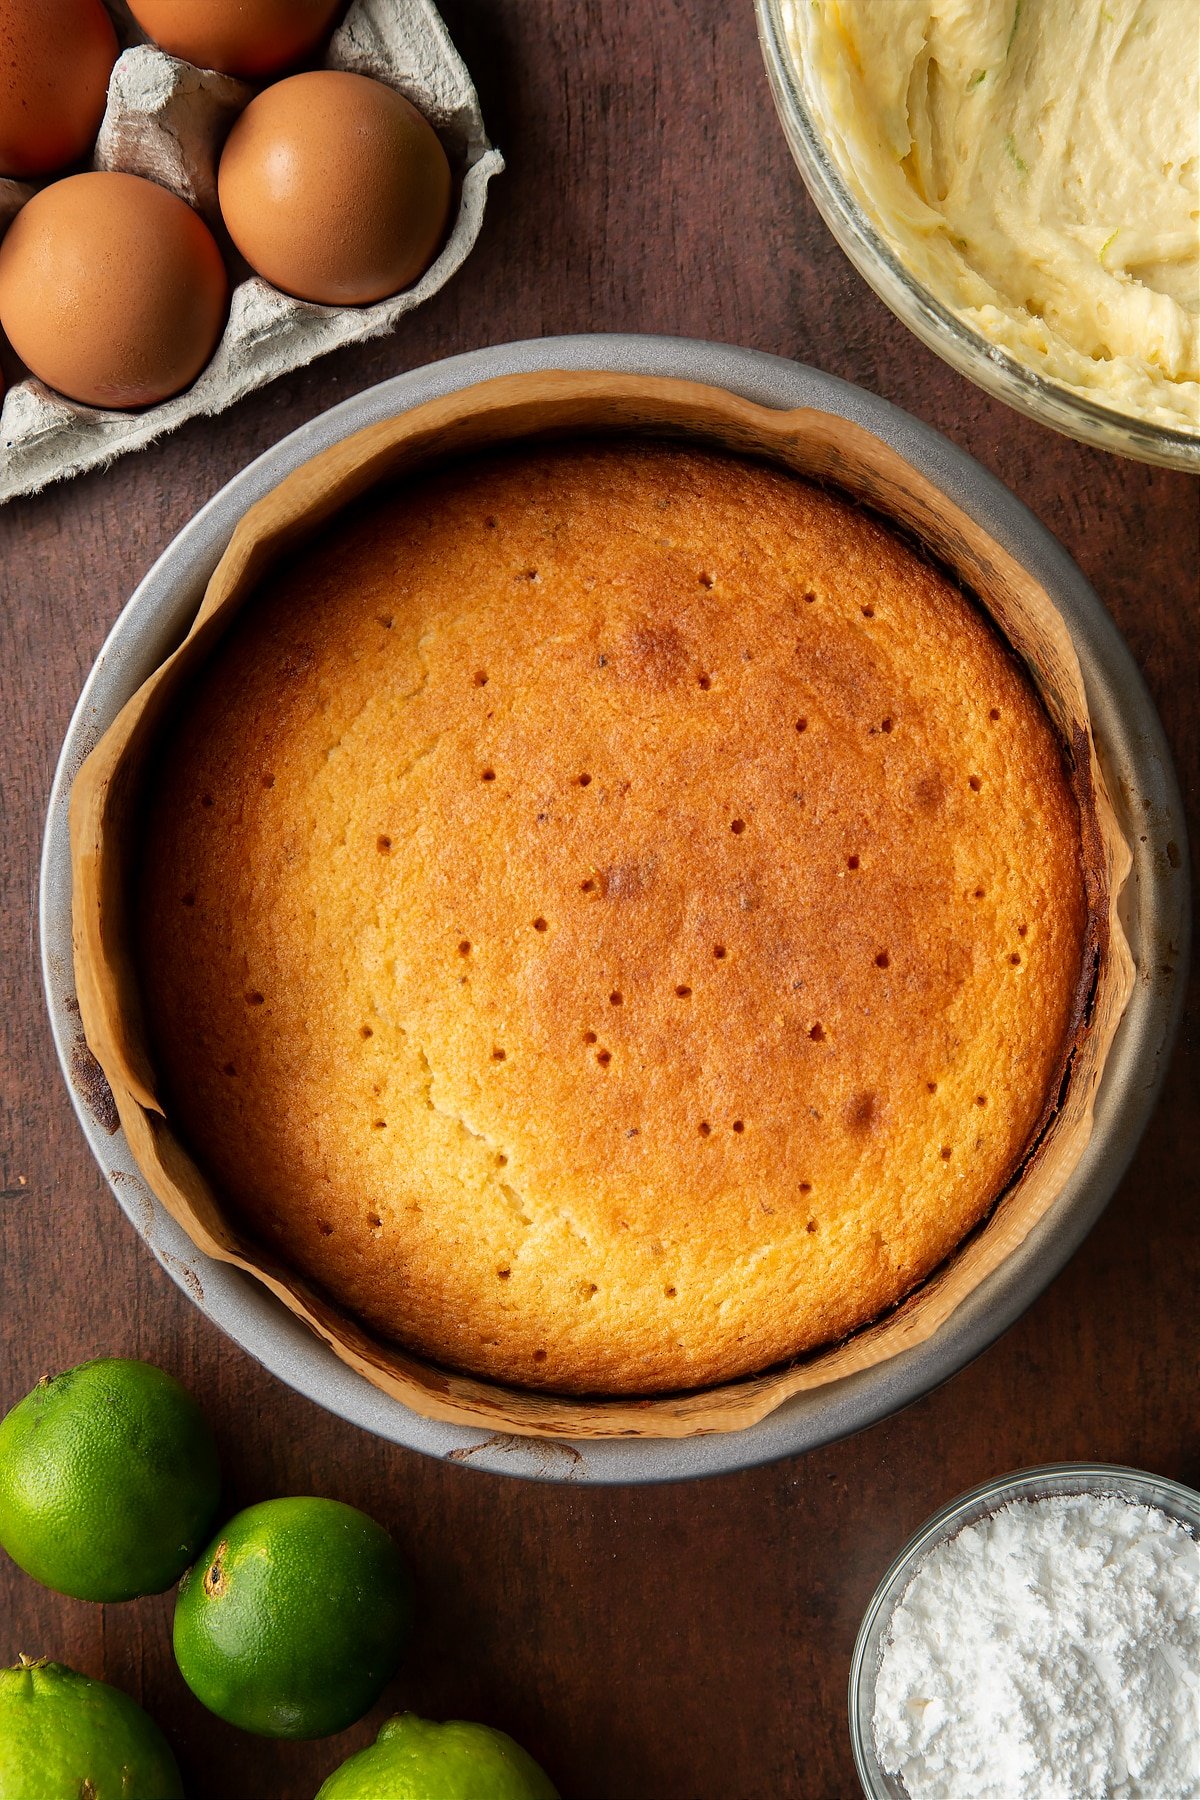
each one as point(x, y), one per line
point(167, 120)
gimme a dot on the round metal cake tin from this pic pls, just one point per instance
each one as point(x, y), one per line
point(1050, 1481)
point(1156, 909)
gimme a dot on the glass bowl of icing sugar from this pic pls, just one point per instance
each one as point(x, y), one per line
point(1038, 1639)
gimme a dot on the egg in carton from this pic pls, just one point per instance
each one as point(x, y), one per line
point(167, 120)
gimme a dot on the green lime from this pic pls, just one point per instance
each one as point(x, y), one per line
point(294, 1619)
point(413, 1759)
point(66, 1737)
point(109, 1480)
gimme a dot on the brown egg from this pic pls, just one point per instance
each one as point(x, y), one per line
point(253, 38)
point(335, 188)
point(55, 60)
point(111, 290)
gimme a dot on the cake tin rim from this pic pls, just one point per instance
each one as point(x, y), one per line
point(1042, 1481)
point(155, 616)
point(1054, 404)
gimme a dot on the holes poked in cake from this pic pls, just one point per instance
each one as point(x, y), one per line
point(188, 899)
point(975, 783)
point(540, 924)
point(487, 774)
point(683, 992)
point(268, 781)
point(480, 678)
point(539, 1356)
point(325, 1228)
point(604, 1057)
point(616, 998)
point(704, 1128)
point(739, 1125)
point(883, 960)
point(707, 579)
point(374, 1222)
point(670, 1291)
point(464, 946)
point(589, 1037)
point(499, 1054)
point(994, 714)
point(366, 1031)
point(868, 612)
point(383, 844)
point(1015, 959)
point(704, 682)
point(504, 1274)
point(252, 997)
point(720, 952)
point(853, 862)
point(229, 1069)
point(817, 1032)
point(583, 780)
point(737, 826)
point(946, 1152)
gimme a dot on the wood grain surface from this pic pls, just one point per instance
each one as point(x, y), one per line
point(678, 1643)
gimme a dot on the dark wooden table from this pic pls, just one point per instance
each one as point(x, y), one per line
point(679, 1643)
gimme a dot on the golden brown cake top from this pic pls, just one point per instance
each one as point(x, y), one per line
point(612, 916)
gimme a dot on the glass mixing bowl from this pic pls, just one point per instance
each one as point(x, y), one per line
point(1171, 1497)
point(1052, 403)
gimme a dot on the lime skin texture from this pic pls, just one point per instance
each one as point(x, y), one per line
point(63, 1736)
point(294, 1619)
point(109, 1480)
point(414, 1759)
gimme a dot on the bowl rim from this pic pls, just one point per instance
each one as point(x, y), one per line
point(1140, 1487)
point(155, 618)
point(1055, 404)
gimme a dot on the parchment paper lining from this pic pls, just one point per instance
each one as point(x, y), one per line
point(105, 820)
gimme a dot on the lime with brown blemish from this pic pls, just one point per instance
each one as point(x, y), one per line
point(109, 1480)
point(64, 1736)
point(414, 1759)
point(294, 1619)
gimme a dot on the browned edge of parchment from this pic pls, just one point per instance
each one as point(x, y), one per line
point(104, 818)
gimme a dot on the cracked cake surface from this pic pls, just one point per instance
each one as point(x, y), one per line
point(612, 916)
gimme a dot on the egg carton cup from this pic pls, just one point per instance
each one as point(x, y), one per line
point(167, 120)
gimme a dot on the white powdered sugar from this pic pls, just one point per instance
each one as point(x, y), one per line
point(1049, 1652)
